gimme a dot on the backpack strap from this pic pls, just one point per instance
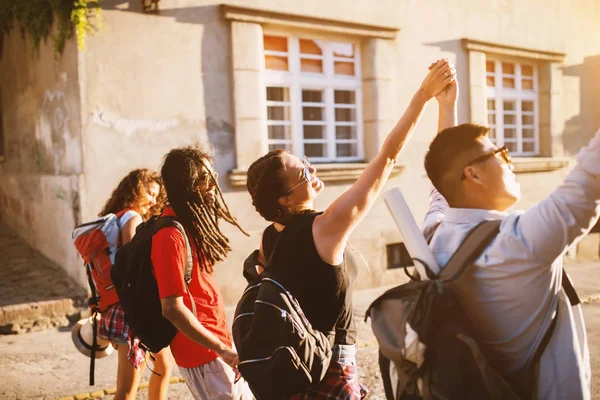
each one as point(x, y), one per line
point(169, 221)
point(470, 249)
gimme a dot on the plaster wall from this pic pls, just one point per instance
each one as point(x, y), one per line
point(39, 189)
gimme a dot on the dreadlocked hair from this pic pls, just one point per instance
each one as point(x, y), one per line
point(130, 193)
point(183, 172)
point(266, 183)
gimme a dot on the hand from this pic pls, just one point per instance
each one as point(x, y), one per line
point(449, 94)
point(440, 75)
point(230, 357)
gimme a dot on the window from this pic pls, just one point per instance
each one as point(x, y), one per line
point(512, 106)
point(397, 256)
point(314, 98)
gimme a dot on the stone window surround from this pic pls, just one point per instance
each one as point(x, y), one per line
point(377, 51)
point(550, 98)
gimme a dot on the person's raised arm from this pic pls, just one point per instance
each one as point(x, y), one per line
point(335, 225)
point(549, 227)
point(447, 118)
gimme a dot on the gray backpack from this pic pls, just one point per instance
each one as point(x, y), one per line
point(427, 348)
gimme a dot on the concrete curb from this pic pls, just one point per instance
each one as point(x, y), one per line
point(101, 393)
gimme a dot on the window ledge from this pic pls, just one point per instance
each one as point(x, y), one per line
point(264, 17)
point(539, 164)
point(326, 172)
point(508, 50)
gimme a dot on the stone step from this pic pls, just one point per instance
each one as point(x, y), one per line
point(35, 293)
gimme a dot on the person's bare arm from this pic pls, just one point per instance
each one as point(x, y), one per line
point(447, 118)
point(128, 230)
point(184, 320)
point(332, 228)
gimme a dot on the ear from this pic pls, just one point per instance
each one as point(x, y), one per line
point(285, 201)
point(473, 174)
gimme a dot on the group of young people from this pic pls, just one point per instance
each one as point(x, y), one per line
point(515, 288)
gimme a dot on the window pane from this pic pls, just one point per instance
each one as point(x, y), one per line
point(527, 119)
point(308, 46)
point(527, 84)
point(526, 70)
point(508, 69)
point(344, 97)
point(278, 94)
point(314, 132)
point(276, 63)
point(343, 68)
point(315, 149)
point(278, 113)
point(527, 106)
point(510, 119)
point(345, 114)
point(279, 132)
point(346, 150)
point(275, 43)
point(490, 66)
point(491, 104)
point(309, 65)
point(528, 147)
point(491, 119)
point(510, 133)
point(492, 134)
point(509, 106)
point(490, 81)
point(275, 146)
point(345, 132)
point(508, 83)
point(312, 113)
point(528, 133)
point(312, 96)
point(511, 146)
point(342, 49)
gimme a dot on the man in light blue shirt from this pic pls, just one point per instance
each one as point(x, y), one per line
point(515, 287)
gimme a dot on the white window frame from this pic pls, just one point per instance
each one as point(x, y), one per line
point(296, 80)
point(500, 94)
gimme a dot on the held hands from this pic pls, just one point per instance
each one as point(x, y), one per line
point(449, 94)
point(231, 358)
point(441, 74)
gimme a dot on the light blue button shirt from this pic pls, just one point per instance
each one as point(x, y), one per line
point(512, 290)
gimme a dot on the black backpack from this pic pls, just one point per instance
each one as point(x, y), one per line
point(132, 275)
point(448, 364)
point(280, 353)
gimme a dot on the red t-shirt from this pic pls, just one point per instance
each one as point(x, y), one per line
point(169, 259)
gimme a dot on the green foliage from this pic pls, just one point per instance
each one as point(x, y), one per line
point(37, 18)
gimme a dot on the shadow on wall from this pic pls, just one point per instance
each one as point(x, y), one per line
point(461, 62)
point(215, 67)
point(580, 129)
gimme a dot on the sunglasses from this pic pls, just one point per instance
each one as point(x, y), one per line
point(305, 173)
point(206, 177)
point(501, 153)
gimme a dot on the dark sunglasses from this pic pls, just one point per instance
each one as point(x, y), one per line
point(502, 153)
point(306, 175)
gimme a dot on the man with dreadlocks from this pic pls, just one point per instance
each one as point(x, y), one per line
point(203, 347)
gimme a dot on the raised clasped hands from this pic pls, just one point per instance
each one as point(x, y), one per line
point(440, 82)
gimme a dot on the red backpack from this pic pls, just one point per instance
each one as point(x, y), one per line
point(97, 243)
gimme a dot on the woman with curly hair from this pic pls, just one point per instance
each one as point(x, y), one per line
point(315, 263)
point(138, 196)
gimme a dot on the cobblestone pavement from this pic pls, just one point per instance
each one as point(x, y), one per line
point(34, 292)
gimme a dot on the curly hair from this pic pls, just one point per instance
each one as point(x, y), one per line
point(130, 193)
point(182, 172)
point(267, 183)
